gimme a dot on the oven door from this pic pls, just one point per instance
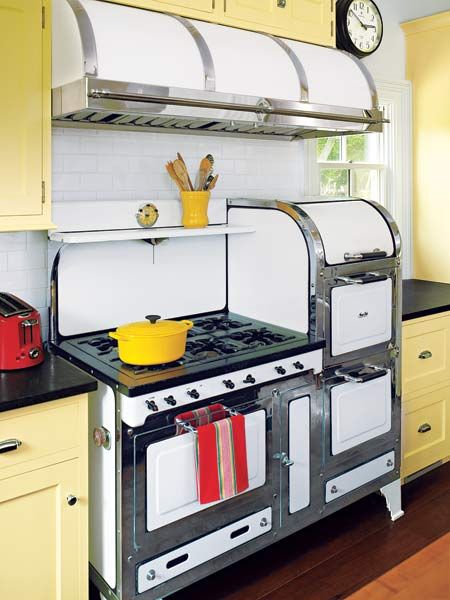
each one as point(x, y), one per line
point(359, 402)
point(166, 510)
point(360, 316)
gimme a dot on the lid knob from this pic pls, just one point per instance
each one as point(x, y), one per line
point(153, 318)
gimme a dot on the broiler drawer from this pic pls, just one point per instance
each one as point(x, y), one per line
point(42, 431)
point(174, 563)
point(426, 429)
point(352, 480)
point(426, 352)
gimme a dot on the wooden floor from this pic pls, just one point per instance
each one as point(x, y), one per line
point(425, 575)
point(344, 552)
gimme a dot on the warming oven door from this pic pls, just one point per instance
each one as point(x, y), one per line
point(359, 410)
point(360, 314)
point(164, 501)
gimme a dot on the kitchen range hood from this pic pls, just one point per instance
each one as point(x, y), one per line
point(121, 66)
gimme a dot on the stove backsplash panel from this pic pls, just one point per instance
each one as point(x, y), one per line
point(108, 166)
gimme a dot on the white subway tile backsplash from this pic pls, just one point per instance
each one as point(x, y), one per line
point(110, 165)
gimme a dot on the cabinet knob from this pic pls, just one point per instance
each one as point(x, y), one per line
point(71, 500)
point(9, 445)
point(281, 3)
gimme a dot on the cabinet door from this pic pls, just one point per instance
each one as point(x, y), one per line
point(189, 8)
point(262, 12)
point(21, 107)
point(308, 20)
point(41, 535)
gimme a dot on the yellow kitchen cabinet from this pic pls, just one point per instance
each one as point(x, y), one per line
point(426, 352)
point(305, 20)
point(426, 429)
point(44, 502)
point(25, 128)
point(428, 57)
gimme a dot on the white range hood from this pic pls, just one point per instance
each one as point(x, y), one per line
point(118, 65)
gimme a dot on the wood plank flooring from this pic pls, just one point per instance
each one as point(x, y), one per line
point(333, 558)
point(426, 575)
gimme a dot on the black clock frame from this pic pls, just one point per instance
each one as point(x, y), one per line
point(343, 39)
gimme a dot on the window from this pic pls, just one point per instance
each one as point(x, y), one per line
point(351, 166)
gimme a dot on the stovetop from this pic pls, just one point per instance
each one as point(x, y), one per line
point(217, 343)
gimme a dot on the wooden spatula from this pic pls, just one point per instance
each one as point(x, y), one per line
point(173, 175)
point(187, 172)
point(182, 174)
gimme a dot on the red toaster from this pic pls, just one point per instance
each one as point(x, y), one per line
point(20, 334)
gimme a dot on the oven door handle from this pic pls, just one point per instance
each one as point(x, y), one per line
point(362, 279)
point(358, 377)
point(365, 255)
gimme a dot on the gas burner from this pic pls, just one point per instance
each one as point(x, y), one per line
point(213, 324)
point(102, 345)
point(210, 347)
point(259, 337)
point(140, 369)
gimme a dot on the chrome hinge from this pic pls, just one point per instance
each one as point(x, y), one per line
point(43, 17)
point(43, 192)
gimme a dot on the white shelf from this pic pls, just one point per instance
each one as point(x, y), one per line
point(83, 237)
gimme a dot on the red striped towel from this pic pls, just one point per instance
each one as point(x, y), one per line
point(200, 416)
point(221, 459)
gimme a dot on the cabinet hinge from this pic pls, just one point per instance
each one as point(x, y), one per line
point(43, 192)
point(43, 17)
point(332, 6)
point(332, 29)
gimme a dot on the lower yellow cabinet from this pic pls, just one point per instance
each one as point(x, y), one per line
point(44, 503)
point(426, 429)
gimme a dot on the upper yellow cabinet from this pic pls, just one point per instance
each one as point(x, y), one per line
point(305, 20)
point(25, 128)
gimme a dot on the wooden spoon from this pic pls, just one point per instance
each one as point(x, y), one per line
point(182, 174)
point(187, 172)
point(173, 175)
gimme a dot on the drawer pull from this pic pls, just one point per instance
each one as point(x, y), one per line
point(363, 315)
point(425, 355)
point(424, 428)
point(9, 445)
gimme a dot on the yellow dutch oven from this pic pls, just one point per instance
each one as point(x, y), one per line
point(152, 342)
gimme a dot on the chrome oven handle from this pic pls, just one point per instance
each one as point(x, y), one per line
point(363, 378)
point(365, 255)
point(9, 445)
point(349, 280)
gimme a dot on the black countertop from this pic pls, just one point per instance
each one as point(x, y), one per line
point(55, 378)
point(422, 298)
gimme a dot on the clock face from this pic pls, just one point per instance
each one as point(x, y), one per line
point(364, 26)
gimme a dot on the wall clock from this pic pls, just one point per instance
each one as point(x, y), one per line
point(359, 26)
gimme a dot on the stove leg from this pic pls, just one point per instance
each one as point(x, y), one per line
point(393, 495)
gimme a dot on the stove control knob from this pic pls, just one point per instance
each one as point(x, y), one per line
point(228, 384)
point(298, 365)
point(193, 394)
point(280, 370)
point(249, 379)
point(170, 400)
point(152, 405)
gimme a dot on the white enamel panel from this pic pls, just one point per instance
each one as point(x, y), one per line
point(159, 570)
point(249, 63)
point(174, 497)
point(335, 488)
point(268, 271)
point(352, 227)
point(360, 412)
point(107, 284)
point(299, 445)
point(102, 487)
point(143, 46)
point(99, 216)
point(134, 411)
point(334, 78)
point(361, 316)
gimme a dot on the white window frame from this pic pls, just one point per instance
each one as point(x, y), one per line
point(396, 183)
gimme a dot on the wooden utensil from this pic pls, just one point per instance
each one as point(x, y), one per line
point(212, 185)
point(173, 175)
point(182, 174)
point(187, 172)
point(204, 172)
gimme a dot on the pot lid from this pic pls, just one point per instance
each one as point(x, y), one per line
point(153, 327)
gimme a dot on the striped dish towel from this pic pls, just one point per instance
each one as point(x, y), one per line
point(221, 454)
point(201, 416)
